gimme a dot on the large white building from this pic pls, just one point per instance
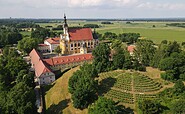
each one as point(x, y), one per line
point(43, 73)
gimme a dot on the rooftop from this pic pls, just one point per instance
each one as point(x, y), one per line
point(80, 34)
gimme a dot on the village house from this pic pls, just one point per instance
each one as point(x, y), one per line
point(131, 49)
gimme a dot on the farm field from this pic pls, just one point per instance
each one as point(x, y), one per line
point(158, 33)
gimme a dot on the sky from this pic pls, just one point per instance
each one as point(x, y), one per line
point(112, 9)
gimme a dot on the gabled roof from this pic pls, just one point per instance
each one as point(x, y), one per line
point(35, 56)
point(80, 34)
point(53, 40)
point(68, 59)
point(41, 68)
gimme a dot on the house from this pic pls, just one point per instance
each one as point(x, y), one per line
point(65, 62)
point(43, 48)
point(43, 73)
point(44, 68)
point(52, 43)
point(131, 49)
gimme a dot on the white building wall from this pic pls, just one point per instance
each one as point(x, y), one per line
point(47, 43)
point(44, 48)
point(53, 46)
point(46, 78)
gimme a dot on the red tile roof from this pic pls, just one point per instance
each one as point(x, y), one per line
point(42, 65)
point(53, 40)
point(131, 48)
point(41, 68)
point(68, 59)
point(35, 57)
point(80, 34)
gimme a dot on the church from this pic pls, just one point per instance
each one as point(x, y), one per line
point(76, 46)
point(72, 41)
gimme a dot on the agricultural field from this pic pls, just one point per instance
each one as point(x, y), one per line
point(156, 31)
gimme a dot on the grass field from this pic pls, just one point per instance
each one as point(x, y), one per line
point(58, 99)
point(158, 33)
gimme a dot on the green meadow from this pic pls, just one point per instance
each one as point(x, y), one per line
point(156, 31)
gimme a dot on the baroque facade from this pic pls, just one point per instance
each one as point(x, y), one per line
point(79, 40)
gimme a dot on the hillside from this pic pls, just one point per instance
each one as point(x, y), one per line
point(58, 99)
point(124, 86)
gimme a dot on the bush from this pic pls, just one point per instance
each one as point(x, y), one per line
point(106, 22)
point(168, 75)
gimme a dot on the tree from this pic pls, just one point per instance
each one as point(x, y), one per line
point(27, 44)
point(40, 33)
point(178, 107)
point(149, 107)
point(26, 77)
point(130, 38)
point(21, 100)
point(167, 64)
point(101, 57)
point(172, 47)
point(57, 50)
point(118, 58)
point(168, 75)
point(164, 42)
point(179, 87)
point(91, 26)
point(103, 106)
point(83, 86)
point(9, 35)
point(144, 52)
point(109, 35)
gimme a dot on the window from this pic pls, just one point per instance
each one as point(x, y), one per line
point(71, 45)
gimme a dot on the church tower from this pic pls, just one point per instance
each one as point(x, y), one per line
point(65, 25)
point(64, 38)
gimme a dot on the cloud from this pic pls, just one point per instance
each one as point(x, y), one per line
point(67, 3)
point(163, 6)
point(84, 3)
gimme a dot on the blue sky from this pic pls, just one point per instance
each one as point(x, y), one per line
point(92, 8)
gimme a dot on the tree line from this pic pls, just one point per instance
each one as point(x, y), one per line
point(16, 84)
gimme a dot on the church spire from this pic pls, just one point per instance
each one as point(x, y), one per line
point(65, 21)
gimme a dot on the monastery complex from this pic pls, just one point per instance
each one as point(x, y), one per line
point(76, 46)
